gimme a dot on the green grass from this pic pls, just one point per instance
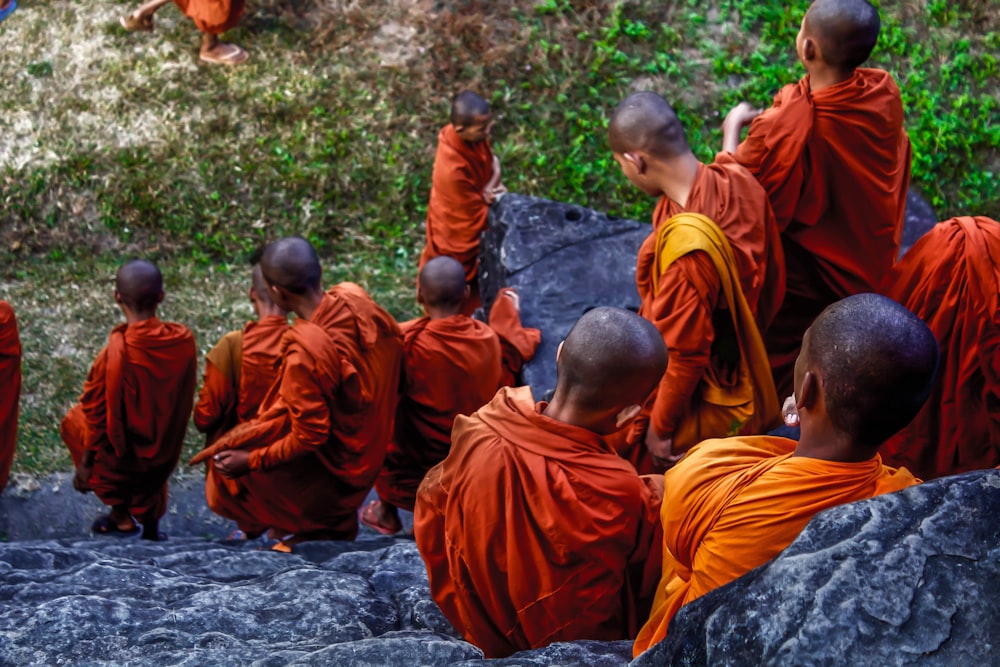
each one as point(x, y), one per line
point(120, 145)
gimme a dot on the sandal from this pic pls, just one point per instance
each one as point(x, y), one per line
point(368, 518)
point(105, 525)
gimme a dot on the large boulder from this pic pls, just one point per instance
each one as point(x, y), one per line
point(908, 578)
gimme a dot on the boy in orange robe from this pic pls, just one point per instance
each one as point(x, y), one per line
point(302, 467)
point(951, 279)
point(835, 160)
point(452, 365)
point(241, 367)
point(10, 389)
point(533, 529)
point(126, 433)
point(465, 181)
point(867, 366)
point(212, 18)
point(686, 299)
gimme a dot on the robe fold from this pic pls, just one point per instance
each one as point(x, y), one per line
point(213, 16)
point(10, 389)
point(534, 531)
point(836, 165)
point(239, 371)
point(717, 381)
point(133, 414)
point(319, 438)
point(517, 342)
point(456, 212)
point(733, 504)
point(451, 366)
point(951, 279)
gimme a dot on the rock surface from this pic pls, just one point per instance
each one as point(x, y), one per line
point(909, 578)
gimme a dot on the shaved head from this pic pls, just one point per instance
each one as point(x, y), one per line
point(846, 30)
point(467, 106)
point(139, 285)
point(610, 358)
point(442, 283)
point(646, 122)
point(877, 363)
point(292, 263)
point(260, 286)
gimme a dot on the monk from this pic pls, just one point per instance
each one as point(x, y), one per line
point(242, 366)
point(126, 433)
point(951, 279)
point(452, 365)
point(465, 181)
point(835, 160)
point(533, 529)
point(10, 389)
point(867, 366)
point(709, 298)
point(211, 17)
point(302, 467)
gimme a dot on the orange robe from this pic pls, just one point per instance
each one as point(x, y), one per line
point(320, 436)
point(731, 505)
point(213, 16)
point(685, 302)
point(451, 366)
point(517, 342)
point(133, 414)
point(238, 372)
point(836, 165)
point(534, 531)
point(456, 213)
point(10, 389)
point(951, 279)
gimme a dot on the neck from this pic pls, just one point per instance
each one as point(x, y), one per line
point(133, 317)
point(270, 311)
point(440, 313)
point(563, 410)
point(676, 178)
point(824, 77)
point(306, 304)
point(828, 444)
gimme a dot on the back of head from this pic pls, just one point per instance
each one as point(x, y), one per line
point(139, 284)
point(467, 107)
point(646, 122)
point(877, 361)
point(292, 263)
point(847, 30)
point(442, 284)
point(260, 290)
point(611, 358)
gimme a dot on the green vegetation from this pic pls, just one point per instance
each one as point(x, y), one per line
point(118, 144)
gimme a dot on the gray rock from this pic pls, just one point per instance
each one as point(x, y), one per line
point(902, 579)
point(589, 653)
point(920, 217)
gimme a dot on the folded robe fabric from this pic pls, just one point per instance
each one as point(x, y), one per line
point(951, 279)
point(213, 16)
point(733, 504)
point(451, 366)
point(133, 413)
point(456, 213)
point(534, 531)
point(10, 389)
point(320, 436)
point(518, 343)
point(836, 165)
point(239, 371)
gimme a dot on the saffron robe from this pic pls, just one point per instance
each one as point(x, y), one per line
point(239, 370)
point(320, 436)
point(836, 165)
point(10, 389)
point(451, 366)
point(534, 531)
point(213, 16)
point(517, 342)
point(951, 279)
point(733, 504)
point(715, 385)
point(133, 414)
point(456, 213)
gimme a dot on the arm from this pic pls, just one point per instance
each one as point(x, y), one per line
point(494, 186)
point(738, 117)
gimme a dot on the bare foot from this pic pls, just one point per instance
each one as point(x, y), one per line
point(136, 23)
point(224, 54)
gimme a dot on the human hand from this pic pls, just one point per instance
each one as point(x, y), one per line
point(81, 477)
point(661, 449)
point(740, 116)
point(232, 463)
point(789, 413)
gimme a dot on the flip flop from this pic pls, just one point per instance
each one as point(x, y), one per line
point(133, 23)
point(104, 525)
point(232, 55)
point(367, 517)
point(8, 10)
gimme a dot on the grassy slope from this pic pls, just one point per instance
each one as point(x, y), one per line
point(120, 144)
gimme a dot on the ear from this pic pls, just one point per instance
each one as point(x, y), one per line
point(160, 296)
point(810, 50)
point(637, 161)
point(809, 393)
point(559, 351)
point(118, 298)
point(468, 291)
point(627, 414)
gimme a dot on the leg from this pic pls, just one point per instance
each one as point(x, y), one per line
point(151, 530)
point(215, 51)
